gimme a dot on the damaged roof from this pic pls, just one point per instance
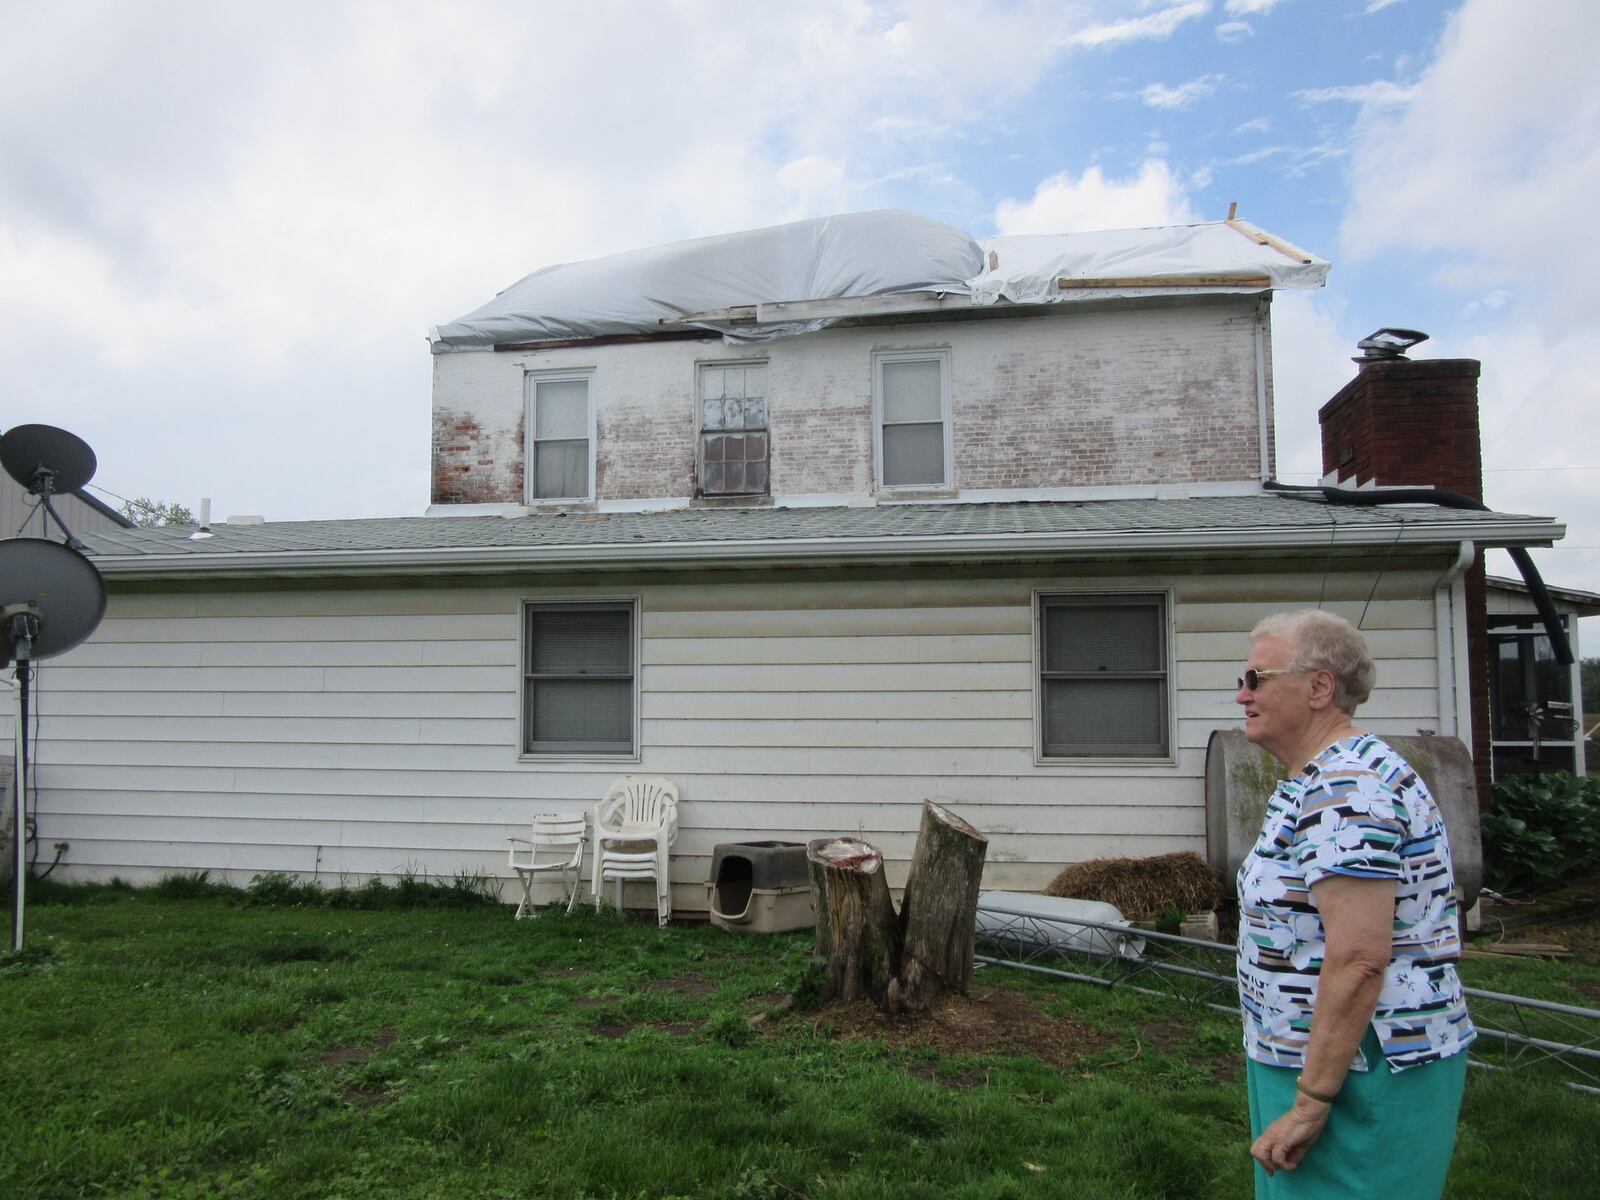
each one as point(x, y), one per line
point(882, 533)
point(797, 278)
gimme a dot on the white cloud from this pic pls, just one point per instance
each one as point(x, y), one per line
point(1234, 31)
point(211, 214)
point(1254, 156)
point(1157, 95)
point(1489, 190)
point(1255, 125)
point(1376, 6)
point(1064, 204)
point(1245, 8)
point(1153, 26)
point(1310, 363)
point(1381, 93)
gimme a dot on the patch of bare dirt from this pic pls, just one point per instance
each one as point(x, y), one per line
point(343, 1056)
point(679, 1028)
point(1165, 1033)
point(594, 1001)
point(683, 985)
point(990, 1021)
point(609, 1029)
point(1569, 916)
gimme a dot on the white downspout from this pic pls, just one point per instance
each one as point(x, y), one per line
point(1450, 647)
point(1263, 411)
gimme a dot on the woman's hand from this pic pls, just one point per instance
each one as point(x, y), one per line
point(1284, 1143)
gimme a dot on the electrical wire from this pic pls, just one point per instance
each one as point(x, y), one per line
point(1382, 567)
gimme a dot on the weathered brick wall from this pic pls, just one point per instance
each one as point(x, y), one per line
point(1087, 396)
point(1416, 422)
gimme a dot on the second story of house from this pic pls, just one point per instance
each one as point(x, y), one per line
point(868, 359)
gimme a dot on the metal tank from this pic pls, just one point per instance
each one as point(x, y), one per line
point(1240, 776)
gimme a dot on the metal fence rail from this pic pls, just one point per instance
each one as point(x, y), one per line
point(1560, 1041)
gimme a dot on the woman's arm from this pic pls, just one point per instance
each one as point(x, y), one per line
point(1358, 921)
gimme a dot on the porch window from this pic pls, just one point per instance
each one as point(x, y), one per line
point(1103, 676)
point(579, 684)
point(1530, 697)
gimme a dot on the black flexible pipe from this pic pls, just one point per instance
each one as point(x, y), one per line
point(1530, 573)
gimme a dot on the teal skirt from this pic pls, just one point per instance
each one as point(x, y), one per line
point(1389, 1135)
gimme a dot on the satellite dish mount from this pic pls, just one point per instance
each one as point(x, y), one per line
point(48, 462)
point(51, 598)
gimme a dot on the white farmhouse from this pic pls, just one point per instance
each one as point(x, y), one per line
point(819, 521)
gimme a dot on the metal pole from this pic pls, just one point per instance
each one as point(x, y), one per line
point(19, 783)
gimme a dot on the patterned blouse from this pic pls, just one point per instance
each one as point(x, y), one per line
point(1357, 809)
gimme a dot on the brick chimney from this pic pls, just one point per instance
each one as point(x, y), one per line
point(1399, 423)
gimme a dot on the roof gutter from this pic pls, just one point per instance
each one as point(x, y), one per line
point(812, 551)
point(1425, 495)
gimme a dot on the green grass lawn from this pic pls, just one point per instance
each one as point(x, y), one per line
point(199, 1048)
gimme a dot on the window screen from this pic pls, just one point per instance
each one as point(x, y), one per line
point(912, 412)
point(734, 436)
point(560, 420)
point(1103, 676)
point(578, 679)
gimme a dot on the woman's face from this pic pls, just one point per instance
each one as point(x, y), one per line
point(1276, 714)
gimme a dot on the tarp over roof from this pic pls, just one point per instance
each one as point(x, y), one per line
point(859, 256)
point(1219, 256)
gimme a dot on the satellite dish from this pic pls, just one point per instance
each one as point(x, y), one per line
point(45, 459)
point(51, 598)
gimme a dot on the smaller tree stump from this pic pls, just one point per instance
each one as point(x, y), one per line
point(939, 911)
point(857, 933)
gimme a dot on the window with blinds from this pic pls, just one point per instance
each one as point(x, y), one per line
point(912, 401)
point(578, 682)
point(1103, 676)
point(560, 444)
point(734, 436)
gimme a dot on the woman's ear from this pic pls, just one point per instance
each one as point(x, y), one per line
point(1321, 688)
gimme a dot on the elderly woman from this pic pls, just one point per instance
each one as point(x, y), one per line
point(1355, 1022)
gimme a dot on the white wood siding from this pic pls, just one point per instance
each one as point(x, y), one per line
point(372, 730)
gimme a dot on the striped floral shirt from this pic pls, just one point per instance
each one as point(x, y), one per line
point(1358, 809)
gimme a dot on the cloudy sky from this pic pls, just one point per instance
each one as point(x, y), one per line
point(225, 229)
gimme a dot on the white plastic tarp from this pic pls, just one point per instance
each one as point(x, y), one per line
point(1029, 267)
point(860, 254)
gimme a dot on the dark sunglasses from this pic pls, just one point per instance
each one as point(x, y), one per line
point(1253, 678)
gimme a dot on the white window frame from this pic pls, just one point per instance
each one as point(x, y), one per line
point(1042, 598)
point(633, 605)
point(941, 355)
point(700, 368)
point(531, 381)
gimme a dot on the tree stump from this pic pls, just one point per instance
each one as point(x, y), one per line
point(939, 913)
point(857, 932)
point(903, 963)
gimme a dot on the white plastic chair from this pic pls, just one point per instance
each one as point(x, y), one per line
point(555, 844)
point(634, 828)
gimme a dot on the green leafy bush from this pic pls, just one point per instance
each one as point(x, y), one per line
point(1541, 831)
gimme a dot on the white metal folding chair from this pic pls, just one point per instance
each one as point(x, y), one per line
point(555, 844)
point(634, 828)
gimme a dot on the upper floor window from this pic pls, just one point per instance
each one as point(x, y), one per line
point(734, 436)
point(1103, 676)
point(560, 437)
point(911, 405)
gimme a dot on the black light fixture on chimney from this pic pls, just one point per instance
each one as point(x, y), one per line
point(1388, 343)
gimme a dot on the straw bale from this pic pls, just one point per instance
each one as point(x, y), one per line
point(1142, 888)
